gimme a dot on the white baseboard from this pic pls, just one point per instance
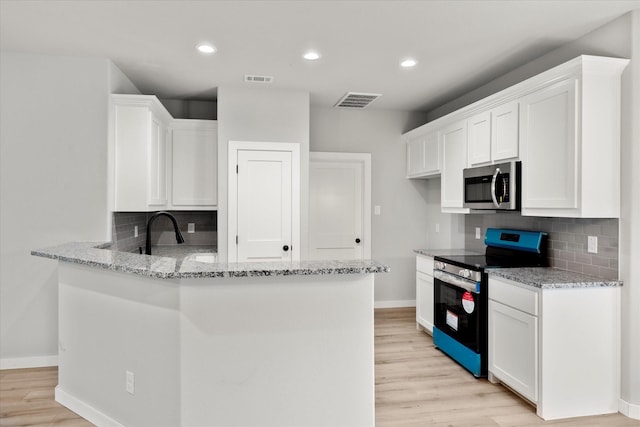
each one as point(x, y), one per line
point(87, 412)
point(629, 409)
point(394, 303)
point(28, 362)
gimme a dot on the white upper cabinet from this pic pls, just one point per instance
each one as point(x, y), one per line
point(423, 156)
point(570, 141)
point(479, 144)
point(504, 132)
point(453, 140)
point(550, 147)
point(140, 138)
point(563, 125)
point(159, 162)
point(194, 160)
point(493, 135)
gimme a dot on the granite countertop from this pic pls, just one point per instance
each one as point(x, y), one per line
point(183, 264)
point(444, 252)
point(551, 278)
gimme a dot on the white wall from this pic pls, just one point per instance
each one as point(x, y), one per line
point(409, 208)
point(262, 115)
point(53, 187)
point(619, 38)
point(630, 225)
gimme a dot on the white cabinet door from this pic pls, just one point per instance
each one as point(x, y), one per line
point(479, 143)
point(264, 206)
point(415, 156)
point(139, 145)
point(493, 135)
point(504, 132)
point(453, 139)
point(424, 300)
point(339, 227)
point(549, 147)
point(157, 158)
point(432, 154)
point(194, 164)
point(423, 156)
point(513, 348)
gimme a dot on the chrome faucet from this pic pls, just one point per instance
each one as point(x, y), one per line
point(179, 237)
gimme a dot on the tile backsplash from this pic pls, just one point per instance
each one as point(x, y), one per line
point(123, 225)
point(567, 239)
point(122, 230)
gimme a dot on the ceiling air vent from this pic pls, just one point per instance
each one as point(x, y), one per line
point(357, 100)
point(248, 78)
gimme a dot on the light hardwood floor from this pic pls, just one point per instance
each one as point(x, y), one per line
point(416, 385)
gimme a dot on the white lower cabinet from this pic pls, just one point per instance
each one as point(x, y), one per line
point(557, 347)
point(424, 293)
point(513, 348)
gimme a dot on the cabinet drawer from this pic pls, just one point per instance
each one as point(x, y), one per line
point(424, 264)
point(514, 296)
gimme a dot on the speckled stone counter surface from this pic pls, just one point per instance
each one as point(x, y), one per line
point(444, 252)
point(184, 265)
point(551, 278)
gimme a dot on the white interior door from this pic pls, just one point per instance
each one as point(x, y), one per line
point(339, 200)
point(264, 205)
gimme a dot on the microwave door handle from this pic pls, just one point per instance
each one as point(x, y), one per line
point(493, 187)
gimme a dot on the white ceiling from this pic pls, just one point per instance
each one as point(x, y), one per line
point(459, 45)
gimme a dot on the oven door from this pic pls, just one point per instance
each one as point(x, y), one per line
point(458, 310)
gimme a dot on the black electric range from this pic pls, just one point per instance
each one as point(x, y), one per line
point(461, 292)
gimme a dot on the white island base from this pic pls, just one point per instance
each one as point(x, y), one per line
point(255, 351)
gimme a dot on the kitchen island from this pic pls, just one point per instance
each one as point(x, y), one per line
point(148, 340)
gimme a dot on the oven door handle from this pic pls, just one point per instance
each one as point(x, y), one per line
point(461, 282)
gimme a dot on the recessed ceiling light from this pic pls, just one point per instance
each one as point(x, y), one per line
point(311, 55)
point(408, 63)
point(205, 48)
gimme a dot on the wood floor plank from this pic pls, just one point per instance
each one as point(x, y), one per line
point(416, 386)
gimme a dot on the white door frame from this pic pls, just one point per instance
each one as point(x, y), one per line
point(365, 159)
point(232, 218)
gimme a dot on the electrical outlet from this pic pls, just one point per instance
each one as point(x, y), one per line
point(478, 233)
point(592, 244)
point(437, 228)
point(135, 231)
point(376, 210)
point(130, 382)
point(191, 227)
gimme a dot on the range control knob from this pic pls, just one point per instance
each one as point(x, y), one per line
point(439, 265)
point(464, 272)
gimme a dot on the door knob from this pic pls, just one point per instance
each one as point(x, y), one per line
point(357, 240)
point(285, 248)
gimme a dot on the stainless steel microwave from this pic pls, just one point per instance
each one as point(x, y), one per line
point(495, 187)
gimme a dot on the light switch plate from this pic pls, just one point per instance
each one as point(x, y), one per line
point(478, 233)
